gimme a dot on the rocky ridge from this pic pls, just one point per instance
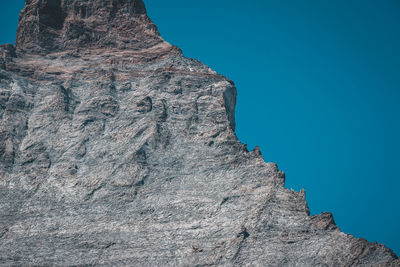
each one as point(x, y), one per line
point(116, 149)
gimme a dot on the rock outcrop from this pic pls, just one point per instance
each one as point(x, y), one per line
point(56, 25)
point(115, 149)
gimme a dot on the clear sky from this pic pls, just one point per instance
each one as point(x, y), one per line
point(318, 90)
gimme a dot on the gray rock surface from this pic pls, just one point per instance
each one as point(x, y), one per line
point(115, 149)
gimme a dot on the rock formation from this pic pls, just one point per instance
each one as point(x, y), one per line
point(115, 149)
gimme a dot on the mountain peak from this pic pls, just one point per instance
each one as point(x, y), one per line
point(57, 25)
point(117, 150)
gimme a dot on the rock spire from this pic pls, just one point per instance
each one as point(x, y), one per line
point(57, 25)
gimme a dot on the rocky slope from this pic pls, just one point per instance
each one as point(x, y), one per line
point(115, 149)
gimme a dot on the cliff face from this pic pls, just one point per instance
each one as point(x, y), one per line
point(56, 25)
point(115, 149)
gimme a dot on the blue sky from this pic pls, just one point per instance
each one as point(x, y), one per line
point(318, 90)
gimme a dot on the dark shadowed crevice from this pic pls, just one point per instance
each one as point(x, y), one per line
point(230, 103)
point(51, 14)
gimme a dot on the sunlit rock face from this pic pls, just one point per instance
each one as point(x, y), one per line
point(117, 150)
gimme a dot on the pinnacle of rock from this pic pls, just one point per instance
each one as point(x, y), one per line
point(117, 150)
point(56, 25)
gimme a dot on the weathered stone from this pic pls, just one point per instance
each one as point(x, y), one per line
point(55, 25)
point(117, 150)
point(7, 52)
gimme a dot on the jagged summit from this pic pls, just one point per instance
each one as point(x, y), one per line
point(116, 150)
point(57, 25)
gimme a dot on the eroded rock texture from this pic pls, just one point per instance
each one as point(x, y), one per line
point(117, 150)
